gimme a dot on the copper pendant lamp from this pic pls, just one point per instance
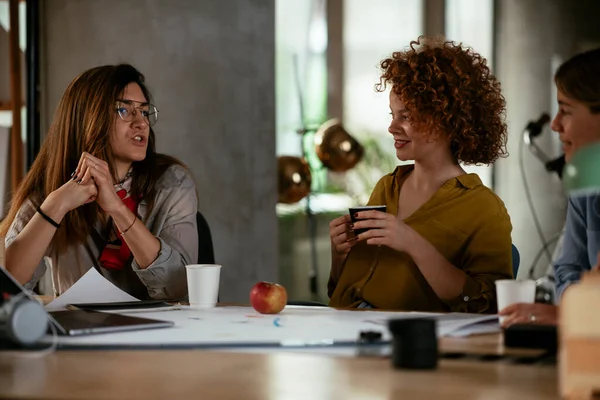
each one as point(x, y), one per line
point(337, 150)
point(293, 179)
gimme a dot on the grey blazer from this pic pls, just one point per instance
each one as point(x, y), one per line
point(172, 221)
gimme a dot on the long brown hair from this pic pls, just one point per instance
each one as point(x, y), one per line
point(83, 121)
point(579, 78)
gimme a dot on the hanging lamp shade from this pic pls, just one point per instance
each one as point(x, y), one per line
point(336, 148)
point(294, 179)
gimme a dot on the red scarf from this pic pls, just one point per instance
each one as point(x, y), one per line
point(116, 253)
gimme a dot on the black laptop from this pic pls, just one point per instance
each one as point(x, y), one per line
point(82, 322)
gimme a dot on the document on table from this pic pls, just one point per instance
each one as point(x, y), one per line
point(452, 324)
point(90, 288)
point(461, 325)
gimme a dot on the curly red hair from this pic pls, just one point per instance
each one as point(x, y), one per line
point(450, 90)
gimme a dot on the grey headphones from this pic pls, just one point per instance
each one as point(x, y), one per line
point(23, 321)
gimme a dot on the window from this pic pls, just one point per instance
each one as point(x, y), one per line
point(471, 22)
point(372, 31)
point(301, 42)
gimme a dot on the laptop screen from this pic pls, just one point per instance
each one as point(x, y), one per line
point(81, 322)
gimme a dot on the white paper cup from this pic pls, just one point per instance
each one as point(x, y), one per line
point(510, 291)
point(203, 284)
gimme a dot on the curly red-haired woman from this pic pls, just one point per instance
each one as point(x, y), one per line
point(445, 237)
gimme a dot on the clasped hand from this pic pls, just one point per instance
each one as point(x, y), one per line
point(91, 181)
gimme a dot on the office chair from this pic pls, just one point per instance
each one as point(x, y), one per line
point(516, 260)
point(206, 253)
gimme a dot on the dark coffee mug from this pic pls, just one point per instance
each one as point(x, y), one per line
point(354, 210)
point(414, 343)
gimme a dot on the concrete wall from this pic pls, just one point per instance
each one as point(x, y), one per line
point(532, 38)
point(210, 67)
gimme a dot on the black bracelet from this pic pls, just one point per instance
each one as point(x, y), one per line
point(47, 218)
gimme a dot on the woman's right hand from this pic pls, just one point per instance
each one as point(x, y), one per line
point(69, 196)
point(341, 235)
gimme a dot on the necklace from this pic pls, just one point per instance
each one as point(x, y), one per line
point(119, 185)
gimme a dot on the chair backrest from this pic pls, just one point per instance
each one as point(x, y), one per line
point(516, 260)
point(206, 253)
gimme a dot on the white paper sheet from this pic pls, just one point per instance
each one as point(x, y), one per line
point(461, 325)
point(295, 327)
point(453, 324)
point(90, 288)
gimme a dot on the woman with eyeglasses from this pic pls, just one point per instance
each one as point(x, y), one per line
point(99, 195)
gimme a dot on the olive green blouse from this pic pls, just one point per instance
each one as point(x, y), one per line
point(464, 220)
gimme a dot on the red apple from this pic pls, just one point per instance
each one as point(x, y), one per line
point(268, 298)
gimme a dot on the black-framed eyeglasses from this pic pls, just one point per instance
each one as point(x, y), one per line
point(127, 110)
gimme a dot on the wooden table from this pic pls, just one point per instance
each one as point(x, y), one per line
point(229, 375)
point(172, 374)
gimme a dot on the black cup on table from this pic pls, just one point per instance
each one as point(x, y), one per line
point(354, 210)
point(414, 343)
